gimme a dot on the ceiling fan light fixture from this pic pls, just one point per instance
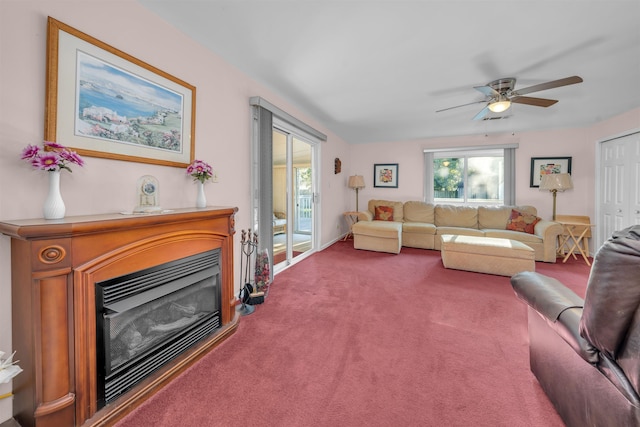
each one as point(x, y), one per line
point(500, 105)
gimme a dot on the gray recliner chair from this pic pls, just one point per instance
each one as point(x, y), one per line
point(586, 353)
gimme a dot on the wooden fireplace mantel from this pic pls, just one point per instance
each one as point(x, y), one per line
point(54, 265)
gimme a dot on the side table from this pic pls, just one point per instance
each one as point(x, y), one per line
point(351, 218)
point(575, 238)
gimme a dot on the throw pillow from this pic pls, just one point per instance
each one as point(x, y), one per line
point(522, 221)
point(384, 213)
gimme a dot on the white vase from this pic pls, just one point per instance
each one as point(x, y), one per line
point(201, 200)
point(54, 205)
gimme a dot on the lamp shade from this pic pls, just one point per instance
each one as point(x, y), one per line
point(356, 181)
point(556, 181)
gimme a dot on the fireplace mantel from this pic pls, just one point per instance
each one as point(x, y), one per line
point(54, 265)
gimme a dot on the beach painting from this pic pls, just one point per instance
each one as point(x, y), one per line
point(103, 102)
point(119, 106)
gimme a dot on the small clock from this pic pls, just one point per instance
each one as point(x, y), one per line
point(147, 189)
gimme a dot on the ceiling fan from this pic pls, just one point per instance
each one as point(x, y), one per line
point(500, 94)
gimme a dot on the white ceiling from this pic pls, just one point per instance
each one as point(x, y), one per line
point(378, 70)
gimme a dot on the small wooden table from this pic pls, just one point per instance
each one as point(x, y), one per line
point(575, 237)
point(351, 218)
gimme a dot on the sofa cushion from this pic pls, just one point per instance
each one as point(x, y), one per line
point(461, 231)
point(522, 221)
point(419, 228)
point(496, 217)
point(486, 246)
point(381, 229)
point(415, 211)
point(383, 213)
point(398, 212)
point(456, 216)
point(513, 235)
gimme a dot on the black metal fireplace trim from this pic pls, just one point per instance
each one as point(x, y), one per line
point(174, 346)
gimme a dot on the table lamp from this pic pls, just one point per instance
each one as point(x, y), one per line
point(555, 182)
point(356, 182)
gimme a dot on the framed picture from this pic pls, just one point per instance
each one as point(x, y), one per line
point(385, 175)
point(546, 165)
point(105, 103)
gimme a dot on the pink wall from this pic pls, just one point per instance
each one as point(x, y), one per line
point(580, 144)
point(222, 126)
point(222, 134)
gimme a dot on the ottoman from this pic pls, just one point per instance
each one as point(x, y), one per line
point(380, 236)
point(489, 255)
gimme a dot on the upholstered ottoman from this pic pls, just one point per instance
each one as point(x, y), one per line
point(490, 255)
point(380, 236)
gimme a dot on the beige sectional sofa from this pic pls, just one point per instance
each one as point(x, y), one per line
point(419, 225)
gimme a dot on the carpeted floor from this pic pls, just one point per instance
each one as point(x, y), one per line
point(359, 338)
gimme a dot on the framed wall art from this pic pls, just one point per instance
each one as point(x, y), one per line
point(546, 165)
point(385, 175)
point(106, 103)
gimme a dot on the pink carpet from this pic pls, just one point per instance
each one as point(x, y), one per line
point(354, 338)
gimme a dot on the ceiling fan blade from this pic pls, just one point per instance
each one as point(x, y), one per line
point(548, 85)
point(487, 90)
point(458, 106)
point(482, 113)
point(538, 102)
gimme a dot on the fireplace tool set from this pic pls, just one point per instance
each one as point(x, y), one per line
point(252, 294)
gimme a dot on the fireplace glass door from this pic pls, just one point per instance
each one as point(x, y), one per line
point(147, 318)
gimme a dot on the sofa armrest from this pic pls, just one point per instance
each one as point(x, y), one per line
point(568, 327)
point(544, 294)
point(548, 230)
point(558, 305)
point(365, 216)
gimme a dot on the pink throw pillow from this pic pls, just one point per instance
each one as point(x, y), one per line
point(521, 221)
point(384, 213)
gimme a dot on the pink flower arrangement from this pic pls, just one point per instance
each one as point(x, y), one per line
point(53, 157)
point(200, 171)
point(262, 275)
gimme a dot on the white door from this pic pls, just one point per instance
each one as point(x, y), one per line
point(619, 184)
point(634, 166)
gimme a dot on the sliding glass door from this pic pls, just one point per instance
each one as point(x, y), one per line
point(284, 184)
point(293, 196)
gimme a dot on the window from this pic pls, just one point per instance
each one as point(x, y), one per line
point(470, 176)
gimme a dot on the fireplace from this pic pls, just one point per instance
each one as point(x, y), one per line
point(147, 318)
point(107, 309)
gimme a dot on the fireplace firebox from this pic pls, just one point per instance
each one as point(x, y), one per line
point(145, 319)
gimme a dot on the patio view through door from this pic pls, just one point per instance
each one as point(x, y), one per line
point(293, 197)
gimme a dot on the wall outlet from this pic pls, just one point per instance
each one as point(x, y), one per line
point(214, 176)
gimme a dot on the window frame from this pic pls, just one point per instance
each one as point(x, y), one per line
point(508, 154)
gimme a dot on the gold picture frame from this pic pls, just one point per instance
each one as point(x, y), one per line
point(105, 103)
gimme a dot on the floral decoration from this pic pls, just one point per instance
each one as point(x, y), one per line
point(52, 157)
point(262, 274)
point(200, 171)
